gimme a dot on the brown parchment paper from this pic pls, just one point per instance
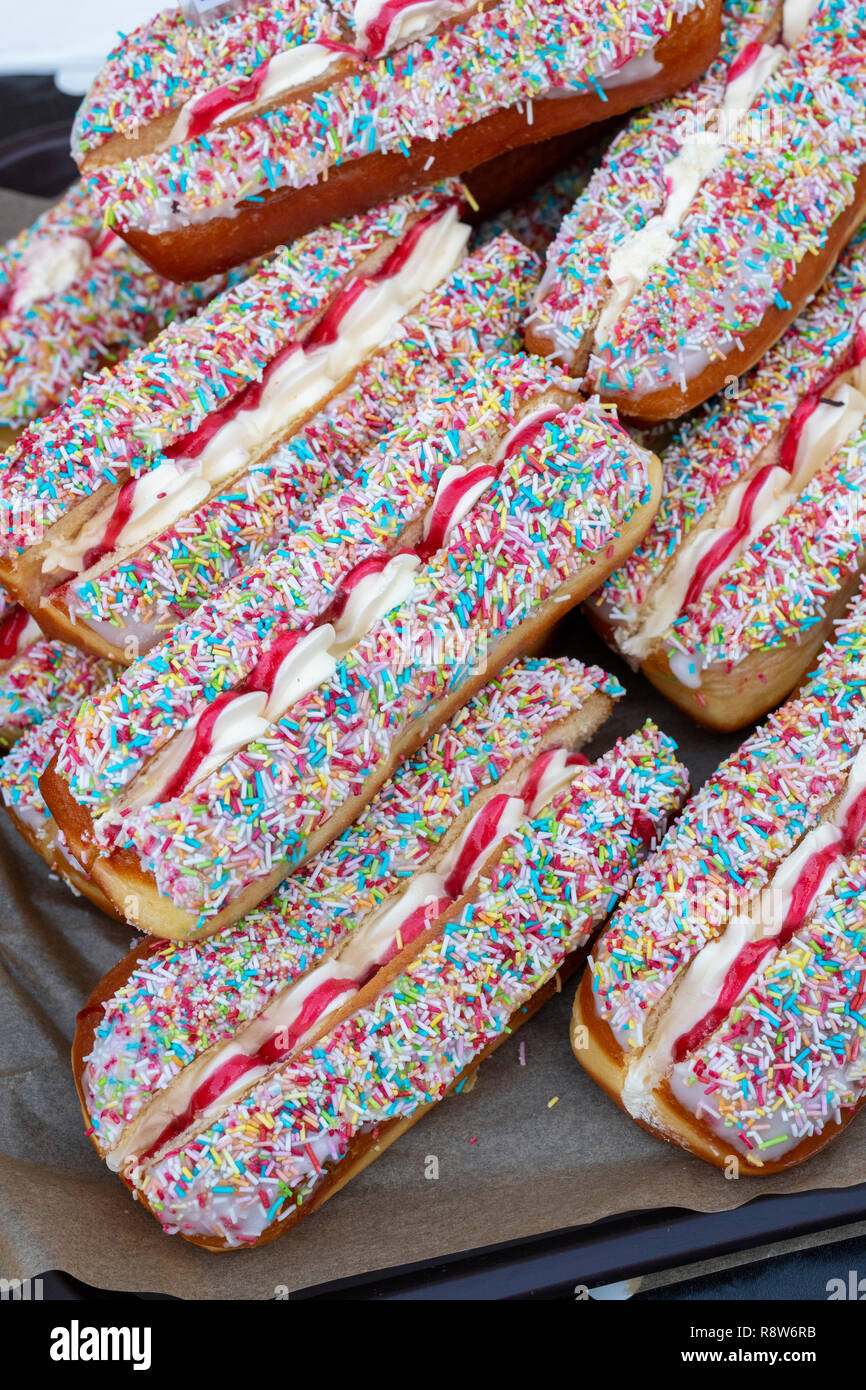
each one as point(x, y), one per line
point(510, 1163)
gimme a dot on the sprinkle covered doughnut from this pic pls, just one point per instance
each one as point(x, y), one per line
point(39, 677)
point(301, 686)
point(723, 1006)
point(423, 923)
point(121, 605)
point(178, 422)
point(73, 296)
point(757, 545)
point(209, 145)
point(680, 264)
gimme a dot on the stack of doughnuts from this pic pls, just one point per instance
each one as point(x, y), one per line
point(73, 296)
point(122, 598)
point(183, 420)
point(272, 575)
point(250, 736)
point(236, 1083)
point(723, 1007)
point(209, 145)
point(759, 540)
point(682, 261)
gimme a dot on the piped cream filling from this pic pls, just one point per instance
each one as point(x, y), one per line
point(700, 986)
point(297, 67)
point(287, 72)
point(414, 22)
point(839, 416)
point(370, 600)
point(302, 382)
point(796, 15)
point(310, 664)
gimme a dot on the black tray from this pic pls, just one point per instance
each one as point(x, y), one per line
point(618, 1248)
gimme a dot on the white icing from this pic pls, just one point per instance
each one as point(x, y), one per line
point(142, 1134)
point(686, 668)
point(48, 267)
point(28, 812)
point(640, 68)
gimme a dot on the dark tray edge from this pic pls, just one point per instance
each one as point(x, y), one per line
point(604, 1252)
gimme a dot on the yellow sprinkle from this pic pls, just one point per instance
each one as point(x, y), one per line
point(554, 1100)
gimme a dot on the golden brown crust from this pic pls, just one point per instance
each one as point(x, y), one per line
point(133, 890)
point(54, 619)
point(67, 813)
point(46, 847)
point(595, 1046)
point(197, 251)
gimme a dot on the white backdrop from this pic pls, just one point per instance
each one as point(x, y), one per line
point(69, 38)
